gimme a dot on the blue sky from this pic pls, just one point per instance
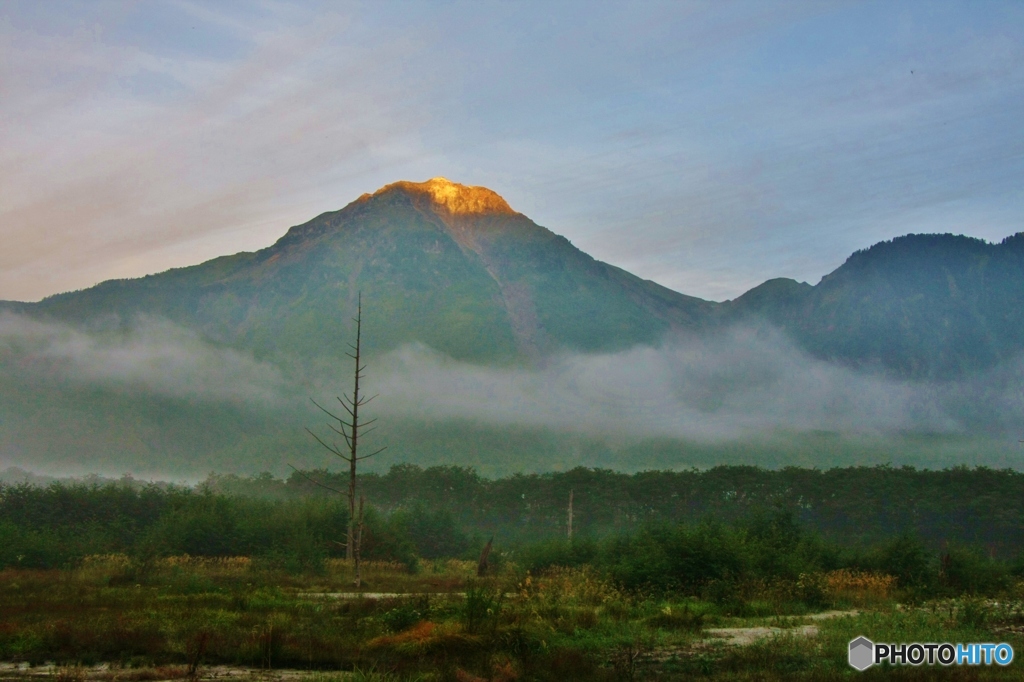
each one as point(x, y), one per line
point(706, 146)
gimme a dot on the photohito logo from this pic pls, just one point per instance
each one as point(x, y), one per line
point(864, 653)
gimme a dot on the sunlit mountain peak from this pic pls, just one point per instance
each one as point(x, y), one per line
point(454, 198)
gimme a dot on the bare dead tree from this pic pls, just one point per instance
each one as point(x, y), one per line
point(357, 549)
point(350, 428)
point(483, 564)
point(569, 523)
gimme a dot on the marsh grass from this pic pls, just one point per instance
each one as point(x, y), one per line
point(845, 587)
point(181, 615)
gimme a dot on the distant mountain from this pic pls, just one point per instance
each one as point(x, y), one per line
point(456, 268)
point(921, 306)
point(445, 264)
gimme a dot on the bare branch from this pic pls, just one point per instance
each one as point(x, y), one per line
point(342, 434)
point(372, 453)
point(332, 449)
point(327, 412)
point(313, 480)
point(348, 441)
point(347, 408)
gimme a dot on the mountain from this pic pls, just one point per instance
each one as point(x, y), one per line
point(456, 268)
point(919, 306)
point(444, 264)
point(96, 380)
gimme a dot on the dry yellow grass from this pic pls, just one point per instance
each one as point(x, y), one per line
point(859, 587)
point(106, 561)
point(580, 586)
point(208, 562)
point(121, 560)
point(343, 565)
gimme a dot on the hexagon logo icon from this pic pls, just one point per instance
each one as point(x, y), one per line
point(862, 652)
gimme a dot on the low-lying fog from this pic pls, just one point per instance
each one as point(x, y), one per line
point(725, 386)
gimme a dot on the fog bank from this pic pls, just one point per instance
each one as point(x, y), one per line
point(152, 356)
point(724, 386)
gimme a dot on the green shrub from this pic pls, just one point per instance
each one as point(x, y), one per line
point(481, 608)
point(969, 571)
point(544, 554)
point(405, 615)
point(904, 557)
point(674, 618)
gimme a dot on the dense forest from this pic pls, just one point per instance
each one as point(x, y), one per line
point(853, 506)
point(829, 518)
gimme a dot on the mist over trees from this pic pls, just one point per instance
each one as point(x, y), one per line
point(451, 511)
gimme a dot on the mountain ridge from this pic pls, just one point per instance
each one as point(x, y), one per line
point(449, 265)
point(455, 267)
point(919, 305)
point(523, 313)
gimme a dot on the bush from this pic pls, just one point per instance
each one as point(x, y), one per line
point(678, 558)
point(684, 618)
point(405, 615)
point(558, 552)
point(434, 534)
point(386, 538)
point(968, 571)
point(906, 559)
point(481, 608)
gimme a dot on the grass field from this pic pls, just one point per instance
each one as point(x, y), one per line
point(117, 619)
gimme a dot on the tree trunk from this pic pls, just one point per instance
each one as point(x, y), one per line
point(357, 549)
point(569, 524)
point(482, 566)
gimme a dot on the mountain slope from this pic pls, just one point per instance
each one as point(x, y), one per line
point(918, 306)
point(451, 266)
point(456, 268)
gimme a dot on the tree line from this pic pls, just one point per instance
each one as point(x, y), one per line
point(732, 526)
point(449, 511)
point(853, 506)
point(58, 525)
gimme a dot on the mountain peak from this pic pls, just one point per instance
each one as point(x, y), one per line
point(454, 198)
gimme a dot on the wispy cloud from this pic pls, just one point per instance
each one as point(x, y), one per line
point(107, 173)
point(737, 384)
point(148, 357)
point(708, 146)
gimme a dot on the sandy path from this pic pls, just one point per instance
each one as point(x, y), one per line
point(104, 673)
point(743, 636)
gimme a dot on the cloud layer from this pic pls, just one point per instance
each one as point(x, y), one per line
point(734, 385)
point(151, 357)
point(729, 386)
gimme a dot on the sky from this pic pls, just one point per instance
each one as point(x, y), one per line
point(707, 146)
